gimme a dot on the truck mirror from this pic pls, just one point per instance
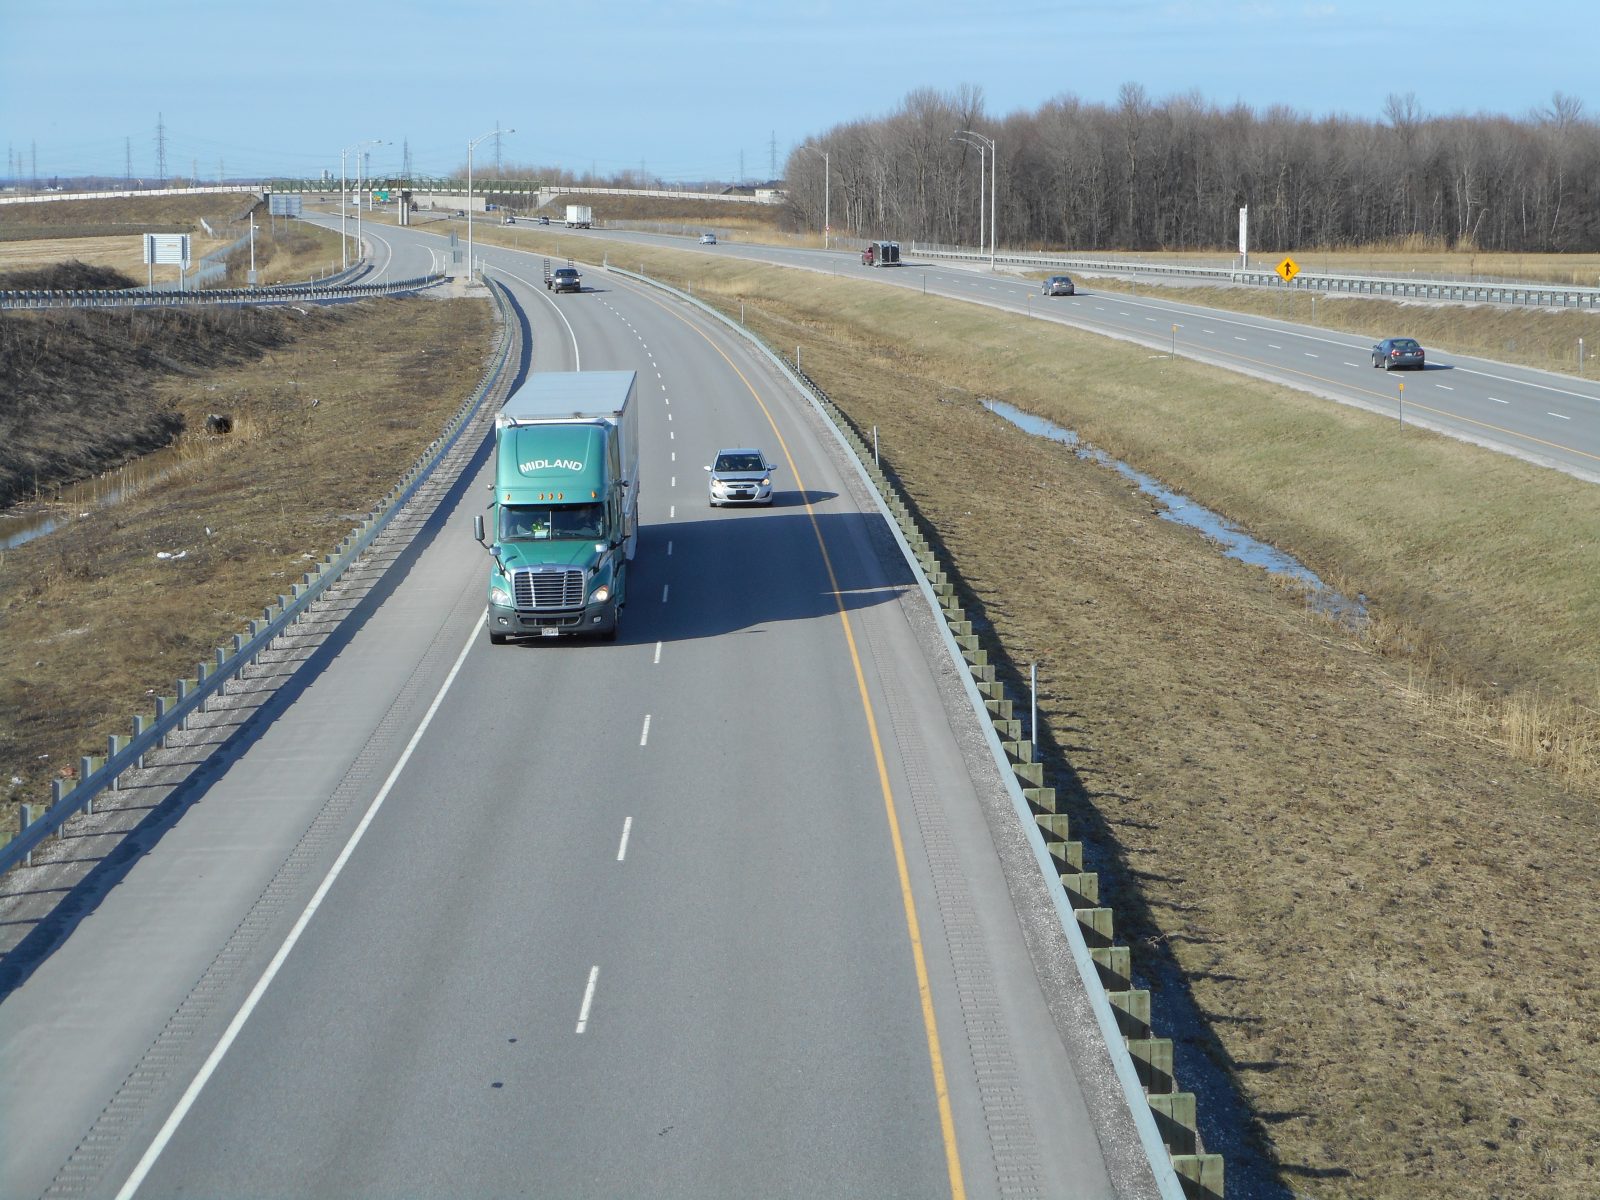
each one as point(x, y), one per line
point(477, 527)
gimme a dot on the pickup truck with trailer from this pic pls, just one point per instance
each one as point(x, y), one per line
point(565, 511)
point(579, 216)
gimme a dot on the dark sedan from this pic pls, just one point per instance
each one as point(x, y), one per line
point(1393, 353)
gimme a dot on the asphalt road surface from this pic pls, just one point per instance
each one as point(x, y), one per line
point(717, 910)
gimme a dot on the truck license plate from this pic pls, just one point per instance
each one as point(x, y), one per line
point(551, 632)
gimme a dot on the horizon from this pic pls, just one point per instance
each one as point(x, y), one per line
point(701, 90)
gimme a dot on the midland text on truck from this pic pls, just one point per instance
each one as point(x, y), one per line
point(565, 513)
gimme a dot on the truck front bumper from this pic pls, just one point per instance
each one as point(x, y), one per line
point(591, 619)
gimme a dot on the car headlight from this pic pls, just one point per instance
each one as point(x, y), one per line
point(498, 595)
point(767, 482)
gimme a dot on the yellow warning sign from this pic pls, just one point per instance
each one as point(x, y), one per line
point(1288, 269)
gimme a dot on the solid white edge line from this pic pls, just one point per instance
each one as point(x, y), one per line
point(577, 358)
point(644, 734)
point(588, 999)
point(214, 1059)
point(627, 828)
point(658, 653)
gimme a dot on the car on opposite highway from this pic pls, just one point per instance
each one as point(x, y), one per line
point(740, 476)
point(544, 220)
point(565, 279)
point(1059, 285)
point(708, 239)
point(1393, 353)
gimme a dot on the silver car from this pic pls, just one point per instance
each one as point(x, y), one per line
point(1059, 285)
point(740, 477)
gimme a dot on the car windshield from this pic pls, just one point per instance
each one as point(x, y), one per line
point(565, 272)
point(740, 462)
point(540, 522)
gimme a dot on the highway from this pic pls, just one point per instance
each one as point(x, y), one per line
point(1540, 416)
point(718, 910)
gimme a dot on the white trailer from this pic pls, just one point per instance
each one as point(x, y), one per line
point(579, 216)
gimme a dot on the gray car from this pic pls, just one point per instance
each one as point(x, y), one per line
point(565, 279)
point(1059, 285)
point(742, 476)
point(1394, 353)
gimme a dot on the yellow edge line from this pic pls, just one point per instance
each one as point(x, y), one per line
point(941, 1087)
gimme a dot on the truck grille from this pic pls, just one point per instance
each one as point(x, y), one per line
point(551, 589)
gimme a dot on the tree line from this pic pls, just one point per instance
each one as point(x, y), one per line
point(1173, 174)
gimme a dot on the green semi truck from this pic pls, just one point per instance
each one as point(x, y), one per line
point(565, 513)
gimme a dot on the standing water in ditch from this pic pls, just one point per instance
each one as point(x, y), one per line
point(28, 521)
point(1233, 541)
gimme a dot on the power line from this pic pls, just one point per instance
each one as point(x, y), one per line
point(161, 148)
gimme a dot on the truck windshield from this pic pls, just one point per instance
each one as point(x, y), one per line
point(538, 522)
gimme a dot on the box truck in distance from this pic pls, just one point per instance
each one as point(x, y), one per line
point(579, 216)
point(565, 514)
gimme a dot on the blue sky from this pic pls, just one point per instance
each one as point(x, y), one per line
point(686, 89)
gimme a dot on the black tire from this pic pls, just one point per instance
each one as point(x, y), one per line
point(1386, 364)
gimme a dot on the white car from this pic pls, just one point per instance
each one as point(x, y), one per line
point(708, 239)
point(740, 477)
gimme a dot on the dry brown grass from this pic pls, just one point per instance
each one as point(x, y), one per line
point(283, 488)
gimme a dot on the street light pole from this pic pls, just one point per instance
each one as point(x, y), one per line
point(344, 207)
point(827, 185)
point(470, 147)
point(979, 146)
point(994, 176)
point(344, 201)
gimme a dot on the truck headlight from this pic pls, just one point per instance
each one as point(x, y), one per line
point(600, 595)
point(498, 595)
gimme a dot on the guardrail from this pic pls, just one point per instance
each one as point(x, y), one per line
point(1166, 1118)
point(1387, 287)
point(127, 193)
point(314, 292)
point(97, 774)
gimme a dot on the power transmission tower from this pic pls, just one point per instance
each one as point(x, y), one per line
point(161, 149)
point(405, 158)
point(33, 161)
point(127, 164)
point(772, 156)
point(497, 171)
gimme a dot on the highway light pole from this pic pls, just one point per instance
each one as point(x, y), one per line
point(344, 202)
point(827, 184)
point(981, 182)
point(359, 187)
point(472, 145)
point(994, 175)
